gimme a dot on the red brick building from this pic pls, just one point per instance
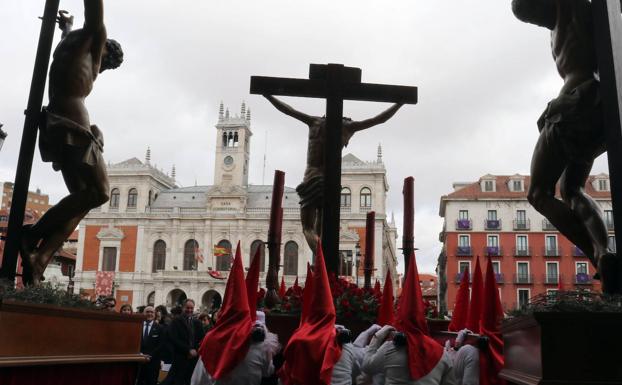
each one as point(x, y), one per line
point(493, 217)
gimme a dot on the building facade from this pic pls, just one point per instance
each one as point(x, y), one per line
point(493, 217)
point(37, 202)
point(165, 243)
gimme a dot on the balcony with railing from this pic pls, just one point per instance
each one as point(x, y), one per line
point(493, 251)
point(582, 279)
point(548, 226)
point(551, 279)
point(492, 224)
point(464, 251)
point(523, 279)
point(577, 252)
point(464, 224)
point(521, 224)
point(499, 278)
point(551, 251)
point(522, 251)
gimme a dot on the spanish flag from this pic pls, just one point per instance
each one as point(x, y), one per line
point(220, 251)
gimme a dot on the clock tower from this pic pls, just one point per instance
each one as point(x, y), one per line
point(233, 134)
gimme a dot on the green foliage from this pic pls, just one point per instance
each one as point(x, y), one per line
point(47, 294)
point(571, 301)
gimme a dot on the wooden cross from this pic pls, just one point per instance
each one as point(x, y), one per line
point(608, 43)
point(335, 83)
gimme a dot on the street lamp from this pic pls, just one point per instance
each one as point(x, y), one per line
point(3, 136)
point(357, 250)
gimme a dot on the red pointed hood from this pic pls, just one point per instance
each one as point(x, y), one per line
point(386, 313)
point(307, 295)
point(424, 353)
point(312, 350)
point(377, 290)
point(252, 282)
point(477, 292)
point(282, 289)
point(491, 360)
point(296, 282)
point(227, 343)
point(461, 308)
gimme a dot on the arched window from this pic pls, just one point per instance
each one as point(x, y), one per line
point(262, 264)
point(159, 255)
point(230, 141)
point(151, 299)
point(290, 265)
point(150, 198)
point(132, 198)
point(190, 261)
point(114, 198)
point(365, 197)
point(346, 197)
point(224, 139)
point(223, 255)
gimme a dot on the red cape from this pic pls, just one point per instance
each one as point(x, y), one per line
point(252, 282)
point(386, 313)
point(226, 345)
point(477, 291)
point(424, 353)
point(491, 360)
point(313, 350)
point(461, 308)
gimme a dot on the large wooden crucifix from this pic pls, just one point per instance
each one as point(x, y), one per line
point(608, 42)
point(335, 83)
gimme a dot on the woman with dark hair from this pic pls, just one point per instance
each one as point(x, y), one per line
point(162, 317)
point(126, 308)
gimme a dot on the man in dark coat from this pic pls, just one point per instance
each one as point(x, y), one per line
point(185, 335)
point(151, 346)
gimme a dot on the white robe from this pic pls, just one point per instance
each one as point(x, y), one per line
point(393, 362)
point(466, 365)
point(348, 367)
point(256, 365)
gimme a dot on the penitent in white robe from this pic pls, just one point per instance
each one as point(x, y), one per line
point(393, 362)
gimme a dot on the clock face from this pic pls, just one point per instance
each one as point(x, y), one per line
point(228, 160)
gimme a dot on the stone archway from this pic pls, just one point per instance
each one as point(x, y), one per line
point(175, 297)
point(151, 299)
point(211, 301)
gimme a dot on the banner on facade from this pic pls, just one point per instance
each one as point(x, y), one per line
point(103, 283)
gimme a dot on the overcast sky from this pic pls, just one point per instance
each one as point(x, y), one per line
point(483, 78)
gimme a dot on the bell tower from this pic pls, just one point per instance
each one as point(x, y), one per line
point(233, 134)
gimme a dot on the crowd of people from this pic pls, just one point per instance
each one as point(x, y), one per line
point(238, 347)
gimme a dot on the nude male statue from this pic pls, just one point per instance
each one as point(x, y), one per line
point(571, 132)
point(311, 189)
point(67, 138)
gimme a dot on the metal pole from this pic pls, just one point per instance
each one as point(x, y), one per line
point(29, 139)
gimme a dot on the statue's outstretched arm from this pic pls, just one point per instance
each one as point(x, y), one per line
point(539, 12)
point(378, 119)
point(288, 110)
point(94, 23)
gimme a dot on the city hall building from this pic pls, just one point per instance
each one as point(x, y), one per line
point(164, 243)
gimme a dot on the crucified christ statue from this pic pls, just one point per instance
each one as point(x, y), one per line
point(67, 138)
point(312, 187)
point(572, 132)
